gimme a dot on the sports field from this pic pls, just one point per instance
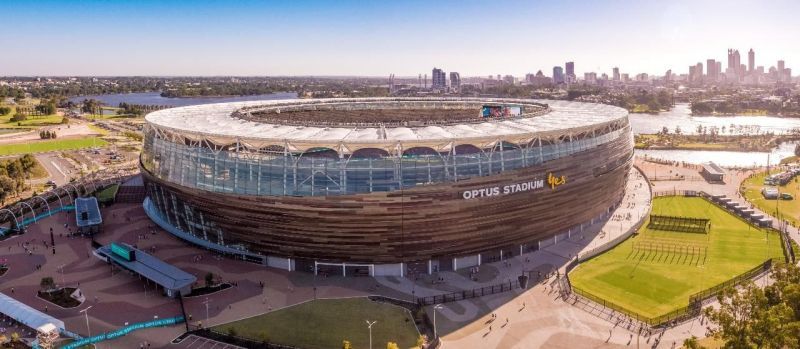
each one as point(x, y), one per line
point(51, 145)
point(655, 271)
point(325, 323)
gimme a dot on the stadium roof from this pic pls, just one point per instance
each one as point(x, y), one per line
point(162, 273)
point(27, 315)
point(215, 123)
point(88, 205)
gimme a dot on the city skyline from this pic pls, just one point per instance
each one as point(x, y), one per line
point(375, 39)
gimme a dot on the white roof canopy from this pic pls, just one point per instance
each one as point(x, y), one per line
point(214, 122)
point(26, 315)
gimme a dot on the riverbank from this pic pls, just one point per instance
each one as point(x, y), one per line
point(713, 142)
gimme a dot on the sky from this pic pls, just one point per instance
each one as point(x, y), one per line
point(376, 38)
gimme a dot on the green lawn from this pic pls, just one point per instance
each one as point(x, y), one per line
point(789, 209)
point(108, 194)
point(51, 145)
point(648, 273)
point(32, 121)
point(324, 323)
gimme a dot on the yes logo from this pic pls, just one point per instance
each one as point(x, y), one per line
point(554, 181)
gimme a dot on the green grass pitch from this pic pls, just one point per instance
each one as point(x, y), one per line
point(324, 323)
point(656, 271)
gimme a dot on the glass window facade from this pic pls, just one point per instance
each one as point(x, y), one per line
point(323, 172)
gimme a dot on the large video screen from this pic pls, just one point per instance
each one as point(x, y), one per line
point(500, 111)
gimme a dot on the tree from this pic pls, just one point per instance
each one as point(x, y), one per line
point(7, 187)
point(753, 317)
point(691, 343)
point(209, 279)
point(422, 340)
point(346, 344)
point(19, 117)
point(392, 345)
point(47, 283)
point(48, 108)
point(28, 162)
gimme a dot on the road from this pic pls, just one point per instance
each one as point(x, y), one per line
point(60, 170)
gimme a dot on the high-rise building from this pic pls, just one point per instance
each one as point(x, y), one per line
point(733, 59)
point(590, 78)
point(699, 70)
point(719, 70)
point(692, 73)
point(615, 75)
point(455, 81)
point(711, 70)
point(668, 76)
point(570, 70)
point(558, 75)
point(438, 79)
point(751, 61)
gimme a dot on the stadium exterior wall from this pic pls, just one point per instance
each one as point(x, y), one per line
point(415, 225)
point(419, 228)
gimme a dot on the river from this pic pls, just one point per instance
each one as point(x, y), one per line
point(681, 115)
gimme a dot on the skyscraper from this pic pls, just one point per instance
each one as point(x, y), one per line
point(733, 59)
point(455, 81)
point(751, 61)
point(570, 67)
point(711, 70)
point(615, 75)
point(558, 75)
point(438, 79)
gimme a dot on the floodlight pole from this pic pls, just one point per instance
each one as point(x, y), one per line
point(86, 314)
point(63, 283)
point(207, 303)
point(435, 307)
point(369, 326)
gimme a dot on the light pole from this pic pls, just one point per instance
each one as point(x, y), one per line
point(207, 302)
point(369, 326)
point(86, 313)
point(63, 283)
point(435, 307)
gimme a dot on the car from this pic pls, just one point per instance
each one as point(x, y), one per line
point(51, 183)
point(786, 196)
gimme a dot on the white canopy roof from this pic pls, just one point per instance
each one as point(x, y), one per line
point(27, 315)
point(215, 123)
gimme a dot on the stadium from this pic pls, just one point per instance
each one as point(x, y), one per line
point(383, 186)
